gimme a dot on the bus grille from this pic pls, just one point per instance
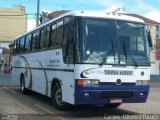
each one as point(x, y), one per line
point(118, 72)
point(117, 94)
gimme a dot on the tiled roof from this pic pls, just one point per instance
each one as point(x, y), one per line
point(146, 20)
point(57, 13)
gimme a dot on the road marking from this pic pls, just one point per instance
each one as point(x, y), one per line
point(52, 113)
point(10, 90)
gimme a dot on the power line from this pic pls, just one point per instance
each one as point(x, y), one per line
point(15, 15)
point(18, 14)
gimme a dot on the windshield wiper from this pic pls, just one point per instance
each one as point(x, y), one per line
point(113, 50)
point(134, 61)
point(125, 53)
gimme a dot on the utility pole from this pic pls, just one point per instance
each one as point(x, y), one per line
point(38, 7)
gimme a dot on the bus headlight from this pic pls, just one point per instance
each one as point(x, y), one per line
point(87, 82)
point(142, 82)
point(95, 82)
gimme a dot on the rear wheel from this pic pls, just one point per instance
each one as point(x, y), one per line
point(57, 99)
point(23, 89)
point(115, 105)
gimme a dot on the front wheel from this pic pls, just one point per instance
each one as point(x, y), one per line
point(115, 105)
point(23, 89)
point(57, 99)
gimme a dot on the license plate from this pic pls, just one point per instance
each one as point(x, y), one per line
point(115, 100)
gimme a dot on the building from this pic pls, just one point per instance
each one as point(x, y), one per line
point(13, 22)
point(154, 28)
point(46, 16)
point(4, 58)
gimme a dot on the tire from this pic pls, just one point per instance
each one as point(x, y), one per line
point(112, 105)
point(23, 89)
point(57, 99)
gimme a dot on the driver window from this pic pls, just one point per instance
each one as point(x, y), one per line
point(68, 41)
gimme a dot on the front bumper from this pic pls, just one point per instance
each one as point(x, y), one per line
point(102, 94)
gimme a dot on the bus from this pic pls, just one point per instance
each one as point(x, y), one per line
point(83, 57)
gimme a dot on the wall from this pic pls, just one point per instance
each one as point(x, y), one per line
point(154, 62)
point(155, 68)
point(12, 22)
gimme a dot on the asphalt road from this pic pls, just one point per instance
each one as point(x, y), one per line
point(15, 106)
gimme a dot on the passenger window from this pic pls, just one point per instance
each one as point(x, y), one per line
point(47, 36)
point(37, 39)
point(14, 48)
point(53, 36)
point(44, 41)
point(17, 46)
point(28, 42)
point(59, 33)
point(22, 43)
point(34, 42)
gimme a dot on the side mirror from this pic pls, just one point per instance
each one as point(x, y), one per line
point(149, 39)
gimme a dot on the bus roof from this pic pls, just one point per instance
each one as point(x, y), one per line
point(104, 15)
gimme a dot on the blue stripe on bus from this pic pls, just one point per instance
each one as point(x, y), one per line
point(95, 94)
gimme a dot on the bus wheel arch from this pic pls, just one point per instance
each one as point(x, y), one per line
point(56, 95)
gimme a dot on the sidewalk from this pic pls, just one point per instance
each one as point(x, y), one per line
point(155, 81)
point(5, 79)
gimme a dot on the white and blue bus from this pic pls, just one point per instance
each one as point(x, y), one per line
point(85, 58)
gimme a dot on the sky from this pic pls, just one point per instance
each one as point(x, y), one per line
point(147, 8)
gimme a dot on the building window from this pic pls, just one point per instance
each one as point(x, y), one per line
point(157, 36)
point(157, 28)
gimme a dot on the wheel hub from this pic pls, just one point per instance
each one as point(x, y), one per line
point(58, 97)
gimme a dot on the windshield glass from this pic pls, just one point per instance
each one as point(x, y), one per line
point(103, 41)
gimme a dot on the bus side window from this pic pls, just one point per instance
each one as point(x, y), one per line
point(34, 42)
point(22, 42)
point(59, 34)
point(28, 42)
point(14, 48)
point(53, 36)
point(48, 35)
point(68, 42)
point(44, 39)
point(37, 39)
point(17, 46)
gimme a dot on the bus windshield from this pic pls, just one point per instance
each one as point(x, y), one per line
point(103, 41)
